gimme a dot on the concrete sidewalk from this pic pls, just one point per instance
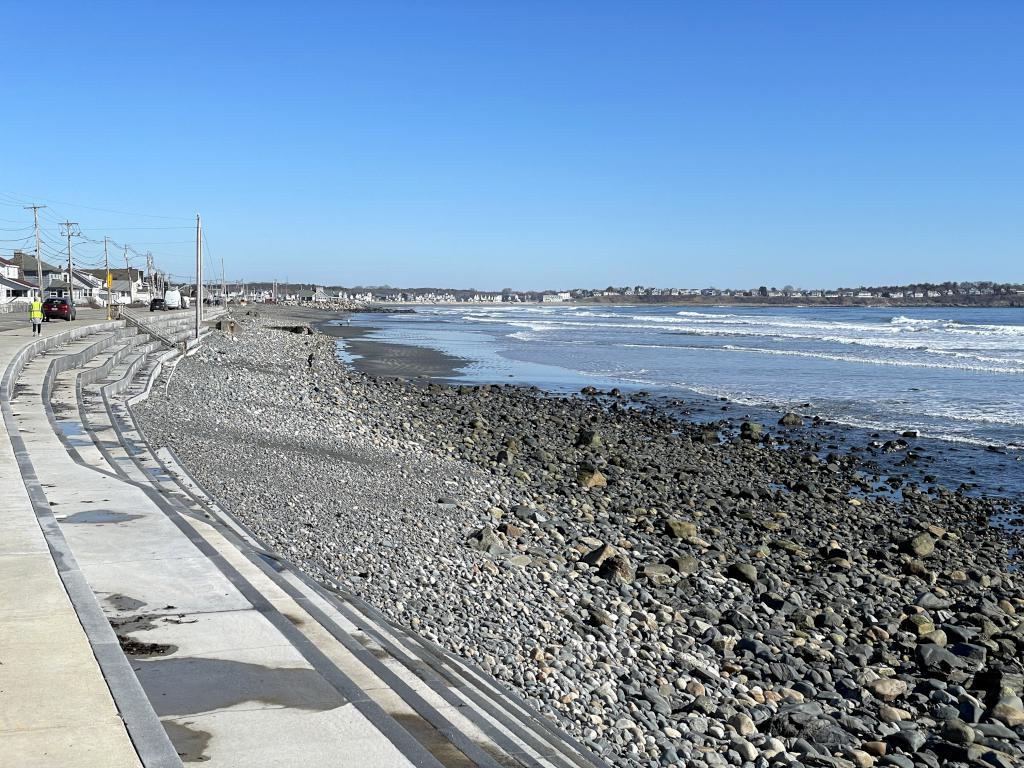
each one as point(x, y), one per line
point(55, 706)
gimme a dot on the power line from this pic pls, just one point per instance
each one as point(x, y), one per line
point(14, 196)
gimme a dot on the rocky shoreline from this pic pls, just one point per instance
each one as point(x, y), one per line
point(673, 595)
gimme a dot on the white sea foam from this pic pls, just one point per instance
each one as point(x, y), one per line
point(894, 361)
point(952, 374)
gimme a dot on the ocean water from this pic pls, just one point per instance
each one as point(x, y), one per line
point(954, 374)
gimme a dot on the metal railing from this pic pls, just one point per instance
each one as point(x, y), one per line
point(132, 319)
point(15, 306)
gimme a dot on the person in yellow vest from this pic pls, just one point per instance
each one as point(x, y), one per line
point(35, 313)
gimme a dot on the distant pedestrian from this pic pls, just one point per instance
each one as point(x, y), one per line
point(35, 314)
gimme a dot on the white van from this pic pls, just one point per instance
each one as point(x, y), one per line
point(172, 299)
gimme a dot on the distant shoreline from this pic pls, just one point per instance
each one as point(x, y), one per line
point(757, 301)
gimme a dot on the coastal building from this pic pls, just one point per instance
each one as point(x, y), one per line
point(127, 292)
point(13, 290)
point(555, 298)
point(129, 285)
point(9, 269)
point(26, 264)
point(315, 296)
point(83, 286)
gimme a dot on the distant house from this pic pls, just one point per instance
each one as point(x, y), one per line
point(11, 290)
point(26, 264)
point(315, 296)
point(126, 292)
point(556, 298)
point(9, 269)
point(83, 286)
point(129, 285)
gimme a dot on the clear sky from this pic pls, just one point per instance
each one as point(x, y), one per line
point(527, 144)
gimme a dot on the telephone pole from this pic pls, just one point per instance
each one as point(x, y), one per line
point(128, 269)
point(71, 229)
point(199, 273)
point(223, 285)
point(106, 277)
point(39, 263)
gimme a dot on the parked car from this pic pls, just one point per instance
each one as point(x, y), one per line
point(59, 307)
point(173, 299)
point(157, 303)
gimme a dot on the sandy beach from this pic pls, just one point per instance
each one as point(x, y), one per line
point(391, 360)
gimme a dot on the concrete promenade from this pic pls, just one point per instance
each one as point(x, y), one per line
point(140, 624)
point(55, 706)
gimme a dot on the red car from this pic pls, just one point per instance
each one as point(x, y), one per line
point(62, 308)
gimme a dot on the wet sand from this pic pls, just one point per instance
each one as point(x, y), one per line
point(374, 358)
point(399, 361)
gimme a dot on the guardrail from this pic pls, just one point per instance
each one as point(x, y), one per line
point(130, 317)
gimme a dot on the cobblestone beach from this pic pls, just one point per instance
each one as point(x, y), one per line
point(672, 594)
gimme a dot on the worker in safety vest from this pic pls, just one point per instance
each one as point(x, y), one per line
point(35, 313)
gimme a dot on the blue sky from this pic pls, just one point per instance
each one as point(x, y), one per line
point(527, 144)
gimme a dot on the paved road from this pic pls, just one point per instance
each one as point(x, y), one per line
point(18, 322)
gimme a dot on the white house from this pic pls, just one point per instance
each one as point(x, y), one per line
point(555, 298)
point(9, 269)
point(129, 285)
point(13, 290)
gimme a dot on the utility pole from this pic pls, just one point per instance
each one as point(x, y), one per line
point(223, 285)
point(131, 285)
point(39, 263)
point(199, 273)
point(106, 276)
point(71, 229)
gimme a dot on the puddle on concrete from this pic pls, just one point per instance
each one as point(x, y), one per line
point(134, 624)
point(121, 602)
point(71, 428)
point(99, 517)
point(190, 685)
point(190, 743)
point(138, 649)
